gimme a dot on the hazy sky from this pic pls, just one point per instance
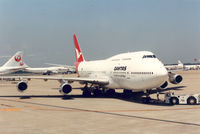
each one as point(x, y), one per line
point(44, 29)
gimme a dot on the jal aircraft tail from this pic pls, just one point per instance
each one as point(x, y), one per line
point(180, 63)
point(15, 61)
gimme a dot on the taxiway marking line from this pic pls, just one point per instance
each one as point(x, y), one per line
point(10, 109)
point(139, 110)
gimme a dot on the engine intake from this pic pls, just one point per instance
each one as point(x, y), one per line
point(65, 88)
point(22, 86)
point(175, 78)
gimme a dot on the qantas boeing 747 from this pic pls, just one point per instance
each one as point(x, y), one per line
point(133, 71)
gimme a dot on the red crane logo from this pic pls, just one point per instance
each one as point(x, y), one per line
point(18, 58)
point(21, 63)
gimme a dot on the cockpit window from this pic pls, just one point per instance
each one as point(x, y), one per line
point(149, 56)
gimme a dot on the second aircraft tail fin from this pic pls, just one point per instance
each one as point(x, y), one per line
point(179, 62)
point(15, 61)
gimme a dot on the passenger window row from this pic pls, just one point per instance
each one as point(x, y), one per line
point(141, 72)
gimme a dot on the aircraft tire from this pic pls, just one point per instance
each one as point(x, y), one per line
point(97, 92)
point(127, 93)
point(191, 101)
point(110, 92)
point(146, 100)
point(86, 93)
point(174, 101)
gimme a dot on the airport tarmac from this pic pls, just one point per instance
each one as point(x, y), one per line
point(42, 110)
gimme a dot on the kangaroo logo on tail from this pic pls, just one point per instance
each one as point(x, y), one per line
point(78, 53)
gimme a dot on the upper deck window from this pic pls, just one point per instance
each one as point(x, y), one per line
point(149, 56)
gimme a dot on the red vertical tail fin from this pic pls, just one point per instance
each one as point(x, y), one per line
point(78, 53)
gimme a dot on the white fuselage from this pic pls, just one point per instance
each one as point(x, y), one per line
point(8, 70)
point(174, 67)
point(191, 67)
point(136, 71)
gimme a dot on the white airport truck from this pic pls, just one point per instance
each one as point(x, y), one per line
point(171, 98)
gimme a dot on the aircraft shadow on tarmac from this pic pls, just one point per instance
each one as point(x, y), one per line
point(134, 97)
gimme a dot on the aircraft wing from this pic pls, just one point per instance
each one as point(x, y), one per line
point(175, 70)
point(60, 65)
point(102, 81)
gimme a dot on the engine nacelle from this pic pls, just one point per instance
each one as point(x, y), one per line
point(65, 88)
point(175, 78)
point(22, 86)
point(164, 85)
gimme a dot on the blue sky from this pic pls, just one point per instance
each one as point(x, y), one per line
point(43, 29)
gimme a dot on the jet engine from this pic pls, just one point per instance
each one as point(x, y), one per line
point(65, 88)
point(175, 78)
point(22, 86)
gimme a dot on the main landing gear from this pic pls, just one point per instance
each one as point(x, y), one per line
point(97, 91)
point(127, 93)
point(110, 92)
point(86, 91)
